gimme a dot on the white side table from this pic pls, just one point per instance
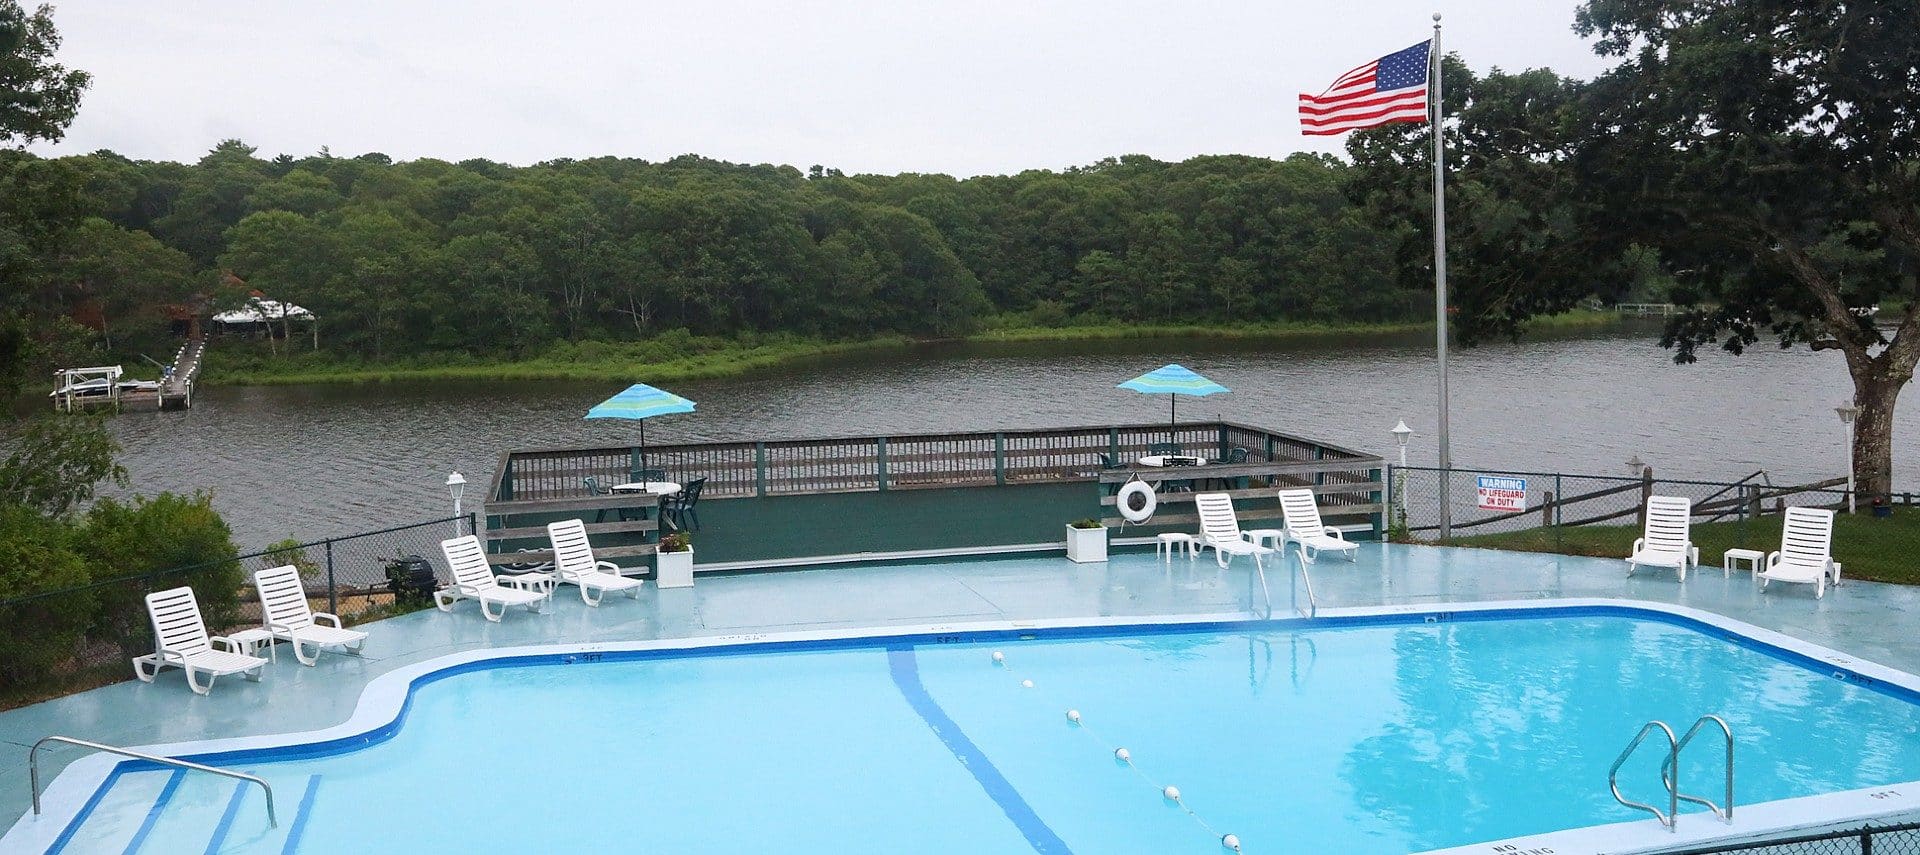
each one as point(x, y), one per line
point(1264, 536)
point(249, 641)
point(1729, 560)
point(539, 582)
point(1175, 540)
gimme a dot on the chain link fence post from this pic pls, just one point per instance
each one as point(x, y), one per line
point(333, 593)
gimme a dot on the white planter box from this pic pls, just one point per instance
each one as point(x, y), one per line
point(674, 569)
point(1086, 545)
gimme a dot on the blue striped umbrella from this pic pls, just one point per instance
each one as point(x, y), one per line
point(640, 402)
point(1172, 380)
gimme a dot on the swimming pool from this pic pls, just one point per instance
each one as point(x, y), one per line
point(1377, 733)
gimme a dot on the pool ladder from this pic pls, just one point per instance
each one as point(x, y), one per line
point(1670, 771)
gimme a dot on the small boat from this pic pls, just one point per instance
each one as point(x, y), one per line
point(84, 389)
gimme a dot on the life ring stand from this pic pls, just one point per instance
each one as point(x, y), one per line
point(1148, 501)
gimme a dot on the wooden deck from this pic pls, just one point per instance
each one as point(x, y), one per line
point(530, 486)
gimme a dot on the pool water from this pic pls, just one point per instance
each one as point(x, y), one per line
point(1382, 738)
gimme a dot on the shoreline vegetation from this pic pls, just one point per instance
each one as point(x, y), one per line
point(678, 356)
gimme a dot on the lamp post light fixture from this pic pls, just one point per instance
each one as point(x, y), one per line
point(1401, 433)
point(456, 487)
point(1847, 413)
point(1636, 467)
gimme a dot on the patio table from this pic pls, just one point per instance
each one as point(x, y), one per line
point(658, 488)
point(1163, 460)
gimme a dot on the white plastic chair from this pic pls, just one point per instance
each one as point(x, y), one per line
point(1665, 541)
point(1220, 529)
point(1806, 551)
point(574, 563)
point(286, 613)
point(180, 640)
point(473, 579)
point(1302, 513)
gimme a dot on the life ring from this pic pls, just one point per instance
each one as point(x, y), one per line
point(1148, 501)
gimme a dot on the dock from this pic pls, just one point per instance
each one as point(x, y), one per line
point(77, 389)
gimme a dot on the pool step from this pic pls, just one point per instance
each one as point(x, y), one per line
point(160, 812)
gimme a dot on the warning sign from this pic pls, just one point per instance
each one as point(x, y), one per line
point(1501, 493)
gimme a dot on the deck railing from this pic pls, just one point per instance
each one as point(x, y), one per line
point(898, 462)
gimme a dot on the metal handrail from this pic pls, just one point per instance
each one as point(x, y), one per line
point(1673, 766)
point(33, 769)
point(1313, 602)
point(1673, 795)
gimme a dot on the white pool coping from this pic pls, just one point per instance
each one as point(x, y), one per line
point(384, 698)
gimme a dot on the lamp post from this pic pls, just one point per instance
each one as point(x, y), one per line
point(456, 487)
point(1847, 413)
point(1400, 435)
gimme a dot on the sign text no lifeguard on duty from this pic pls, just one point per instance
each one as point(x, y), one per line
point(1501, 493)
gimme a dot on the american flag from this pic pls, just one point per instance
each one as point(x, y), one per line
point(1392, 88)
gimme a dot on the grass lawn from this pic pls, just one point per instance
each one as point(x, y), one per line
point(1882, 550)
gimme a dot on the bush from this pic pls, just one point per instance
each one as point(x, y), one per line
point(152, 535)
point(43, 635)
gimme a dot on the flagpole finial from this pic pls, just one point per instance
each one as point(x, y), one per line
point(1436, 19)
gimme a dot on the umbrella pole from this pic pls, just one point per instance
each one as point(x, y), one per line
point(1173, 409)
point(643, 443)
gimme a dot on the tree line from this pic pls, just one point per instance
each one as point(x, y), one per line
point(477, 257)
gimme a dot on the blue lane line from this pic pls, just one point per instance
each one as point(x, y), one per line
point(226, 819)
point(300, 817)
point(153, 813)
point(86, 810)
point(905, 667)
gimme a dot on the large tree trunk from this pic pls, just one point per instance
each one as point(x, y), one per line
point(1873, 435)
point(1877, 381)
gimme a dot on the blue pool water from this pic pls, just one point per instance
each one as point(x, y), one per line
point(1386, 738)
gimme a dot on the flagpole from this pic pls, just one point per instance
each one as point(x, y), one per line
point(1440, 270)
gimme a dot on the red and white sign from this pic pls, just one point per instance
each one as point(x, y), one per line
point(1501, 493)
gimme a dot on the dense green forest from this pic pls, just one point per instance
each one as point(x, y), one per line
point(425, 256)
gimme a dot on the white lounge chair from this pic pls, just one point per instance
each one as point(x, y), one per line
point(573, 562)
point(1302, 513)
point(473, 579)
point(1220, 529)
point(1665, 542)
point(180, 640)
point(1806, 551)
point(286, 614)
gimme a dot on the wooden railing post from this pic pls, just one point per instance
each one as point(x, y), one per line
point(760, 469)
point(880, 462)
point(1557, 491)
point(1000, 459)
point(1646, 492)
point(1546, 510)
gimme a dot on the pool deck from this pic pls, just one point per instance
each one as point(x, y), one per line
point(1867, 620)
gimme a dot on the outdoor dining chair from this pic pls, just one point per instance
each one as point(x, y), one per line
point(1237, 455)
point(677, 511)
point(592, 484)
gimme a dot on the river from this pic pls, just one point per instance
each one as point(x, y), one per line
point(314, 461)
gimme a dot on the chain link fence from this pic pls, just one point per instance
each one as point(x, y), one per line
point(1601, 515)
point(59, 641)
point(1902, 839)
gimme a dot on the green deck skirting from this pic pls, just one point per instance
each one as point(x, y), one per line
point(819, 524)
point(751, 529)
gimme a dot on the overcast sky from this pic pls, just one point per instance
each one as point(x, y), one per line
point(964, 87)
